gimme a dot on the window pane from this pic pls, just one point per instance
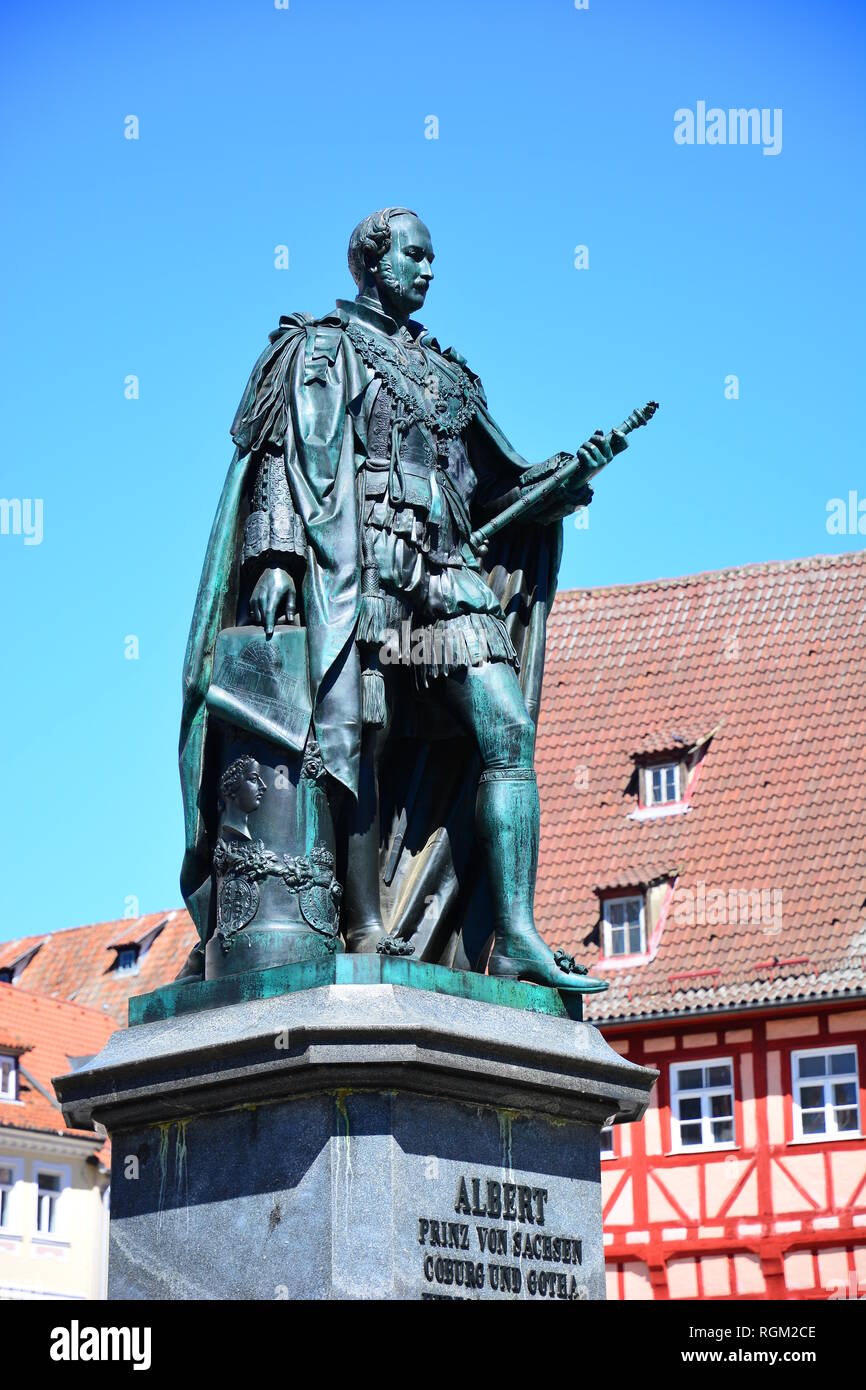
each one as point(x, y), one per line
point(691, 1079)
point(845, 1093)
point(690, 1109)
point(6, 1177)
point(617, 941)
point(634, 939)
point(811, 1096)
point(846, 1119)
point(4, 1206)
point(843, 1064)
point(49, 1182)
point(721, 1105)
point(723, 1131)
point(45, 1222)
point(813, 1066)
point(671, 784)
point(657, 784)
point(607, 1140)
point(719, 1076)
point(691, 1134)
point(813, 1122)
point(616, 914)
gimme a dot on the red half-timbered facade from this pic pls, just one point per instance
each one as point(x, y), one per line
point(702, 768)
point(771, 1214)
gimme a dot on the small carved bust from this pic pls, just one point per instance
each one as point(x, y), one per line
point(241, 791)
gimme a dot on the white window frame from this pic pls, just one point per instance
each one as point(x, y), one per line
point(11, 1226)
point(611, 1152)
point(650, 768)
point(54, 1171)
point(797, 1083)
point(704, 1092)
point(610, 927)
point(10, 1091)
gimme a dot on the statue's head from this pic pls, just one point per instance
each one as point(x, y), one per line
point(391, 251)
point(242, 785)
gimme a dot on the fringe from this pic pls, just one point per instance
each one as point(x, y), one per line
point(455, 644)
point(373, 620)
point(373, 707)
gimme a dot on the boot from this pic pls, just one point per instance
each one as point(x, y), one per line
point(506, 822)
point(362, 913)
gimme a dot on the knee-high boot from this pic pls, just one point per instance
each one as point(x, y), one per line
point(506, 819)
point(362, 913)
point(363, 926)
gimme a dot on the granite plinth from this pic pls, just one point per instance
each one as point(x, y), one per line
point(370, 1141)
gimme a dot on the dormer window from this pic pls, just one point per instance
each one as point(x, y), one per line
point(662, 784)
point(131, 948)
point(667, 766)
point(8, 1077)
point(127, 960)
point(15, 965)
point(624, 926)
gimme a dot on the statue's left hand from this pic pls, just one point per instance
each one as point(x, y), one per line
point(272, 587)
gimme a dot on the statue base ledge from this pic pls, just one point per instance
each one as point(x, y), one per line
point(186, 996)
point(356, 1141)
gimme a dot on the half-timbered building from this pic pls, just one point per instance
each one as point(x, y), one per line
point(702, 766)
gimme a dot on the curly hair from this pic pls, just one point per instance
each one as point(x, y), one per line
point(234, 775)
point(371, 239)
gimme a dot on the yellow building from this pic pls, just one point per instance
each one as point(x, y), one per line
point(53, 1180)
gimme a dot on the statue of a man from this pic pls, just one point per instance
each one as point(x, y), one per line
point(365, 458)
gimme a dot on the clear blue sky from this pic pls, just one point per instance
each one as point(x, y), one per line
point(260, 127)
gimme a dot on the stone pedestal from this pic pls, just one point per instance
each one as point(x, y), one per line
point(357, 1128)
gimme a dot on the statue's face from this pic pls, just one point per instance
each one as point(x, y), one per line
point(251, 789)
point(406, 269)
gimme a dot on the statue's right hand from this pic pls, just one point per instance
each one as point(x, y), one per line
point(272, 587)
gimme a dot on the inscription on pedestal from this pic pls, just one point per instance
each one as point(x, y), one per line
point(495, 1241)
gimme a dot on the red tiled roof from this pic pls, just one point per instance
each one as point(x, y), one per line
point(78, 965)
point(53, 1032)
point(773, 657)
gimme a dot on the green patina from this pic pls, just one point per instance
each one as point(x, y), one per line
point(374, 513)
point(340, 1101)
point(506, 1119)
point(189, 996)
point(165, 1128)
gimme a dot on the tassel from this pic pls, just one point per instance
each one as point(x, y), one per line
point(372, 620)
point(373, 616)
point(373, 708)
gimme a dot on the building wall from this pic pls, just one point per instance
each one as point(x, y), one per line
point(71, 1262)
point(769, 1216)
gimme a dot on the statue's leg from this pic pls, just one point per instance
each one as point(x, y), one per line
point(489, 702)
point(362, 910)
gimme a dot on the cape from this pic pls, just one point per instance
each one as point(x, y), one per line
point(310, 396)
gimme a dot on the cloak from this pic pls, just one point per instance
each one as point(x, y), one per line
point(310, 396)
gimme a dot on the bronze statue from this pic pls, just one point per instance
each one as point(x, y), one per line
point(370, 631)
